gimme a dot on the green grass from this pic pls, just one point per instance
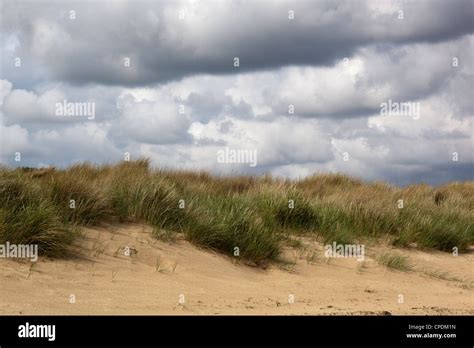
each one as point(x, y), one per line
point(227, 222)
point(395, 261)
point(78, 201)
point(26, 217)
point(257, 215)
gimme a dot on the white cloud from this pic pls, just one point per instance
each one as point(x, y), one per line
point(155, 122)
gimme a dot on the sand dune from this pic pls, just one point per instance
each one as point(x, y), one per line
point(157, 276)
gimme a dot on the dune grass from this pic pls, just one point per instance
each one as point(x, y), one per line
point(395, 261)
point(253, 214)
point(27, 216)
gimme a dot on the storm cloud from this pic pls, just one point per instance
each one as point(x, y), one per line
point(301, 82)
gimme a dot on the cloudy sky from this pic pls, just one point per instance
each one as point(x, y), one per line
point(302, 83)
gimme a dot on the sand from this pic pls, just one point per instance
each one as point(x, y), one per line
point(178, 278)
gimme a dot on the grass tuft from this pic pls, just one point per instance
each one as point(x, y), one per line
point(395, 261)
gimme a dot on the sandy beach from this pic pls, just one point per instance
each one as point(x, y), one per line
point(121, 269)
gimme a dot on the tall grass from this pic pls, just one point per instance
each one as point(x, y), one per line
point(253, 214)
point(27, 217)
point(229, 223)
point(80, 201)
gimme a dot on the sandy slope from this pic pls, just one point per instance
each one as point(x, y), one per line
point(151, 280)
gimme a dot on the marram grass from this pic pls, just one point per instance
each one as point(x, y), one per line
point(248, 216)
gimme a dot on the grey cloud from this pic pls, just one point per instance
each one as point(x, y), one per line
point(151, 122)
point(400, 73)
point(91, 48)
point(207, 106)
